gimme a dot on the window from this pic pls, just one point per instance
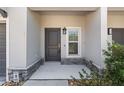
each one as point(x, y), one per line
point(73, 48)
point(73, 41)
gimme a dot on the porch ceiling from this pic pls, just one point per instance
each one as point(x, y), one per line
point(73, 8)
point(64, 12)
point(63, 8)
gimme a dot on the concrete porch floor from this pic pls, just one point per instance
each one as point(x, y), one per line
point(54, 70)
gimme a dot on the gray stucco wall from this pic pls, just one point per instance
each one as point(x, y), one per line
point(24, 29)
point(17, 37)
point(33, 37)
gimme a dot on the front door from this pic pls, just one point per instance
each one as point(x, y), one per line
point(52, 44)
point(118, 35)
point(2, 49)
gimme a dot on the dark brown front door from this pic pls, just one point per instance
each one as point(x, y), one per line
point(118, 35)
point(2, 49)
point(52, 44)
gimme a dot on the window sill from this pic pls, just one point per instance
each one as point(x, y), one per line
point(73, 56)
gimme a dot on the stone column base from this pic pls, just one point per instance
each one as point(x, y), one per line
point(70, 61)
point(23, 74)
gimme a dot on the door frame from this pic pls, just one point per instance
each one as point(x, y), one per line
point(43, 28)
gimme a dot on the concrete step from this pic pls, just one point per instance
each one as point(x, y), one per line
point(34, 82)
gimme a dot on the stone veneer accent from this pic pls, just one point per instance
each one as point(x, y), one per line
point(81, 61)
point(70, 61)
point(25, 74)
point(93, 67)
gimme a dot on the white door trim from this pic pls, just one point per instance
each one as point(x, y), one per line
point(7, 48)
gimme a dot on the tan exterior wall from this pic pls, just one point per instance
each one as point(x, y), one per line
point(116, 19)
point(62, 20)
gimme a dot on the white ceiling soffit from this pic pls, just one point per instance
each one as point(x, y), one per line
point(63, 8)
point(115, 8)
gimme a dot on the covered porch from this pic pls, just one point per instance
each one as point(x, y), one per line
point(83, 25)
point(54, 74)
point(68, 48)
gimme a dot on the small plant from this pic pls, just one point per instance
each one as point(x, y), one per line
point(113, 73)
point(94, 79)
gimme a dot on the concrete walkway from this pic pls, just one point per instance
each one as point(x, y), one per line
point(55, 74)
point(46, 83)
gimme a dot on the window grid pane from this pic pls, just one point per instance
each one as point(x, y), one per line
point(73, 35)
point(73, 48)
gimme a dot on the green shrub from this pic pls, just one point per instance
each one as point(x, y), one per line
point(113, 73)
point(115, 63)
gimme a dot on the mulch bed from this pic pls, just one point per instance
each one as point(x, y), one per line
point(90, 82)
point(12, 83)
point(72, 83)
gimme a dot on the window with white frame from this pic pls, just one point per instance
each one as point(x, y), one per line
point(73, 42)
